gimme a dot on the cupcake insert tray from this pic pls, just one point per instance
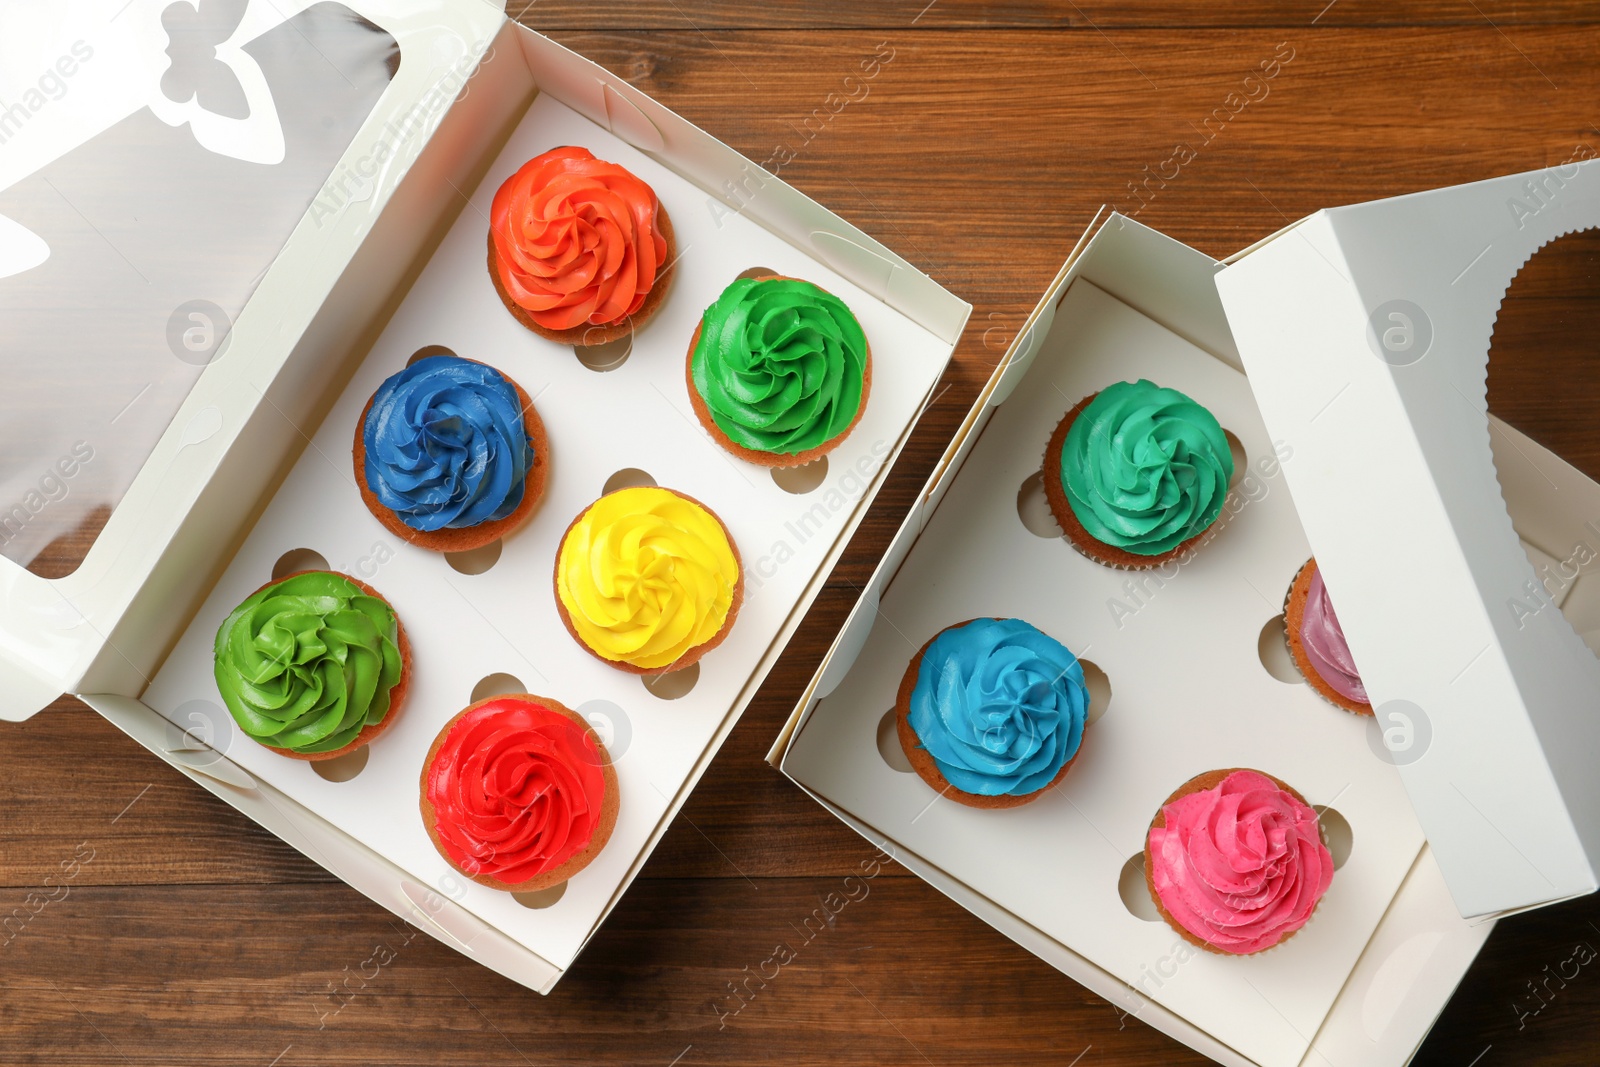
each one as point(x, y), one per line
point(628, 423)
point(1182, 648)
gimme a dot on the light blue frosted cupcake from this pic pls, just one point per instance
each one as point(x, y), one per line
point(992, 712)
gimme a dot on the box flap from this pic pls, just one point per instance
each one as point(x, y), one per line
point(1365, 332)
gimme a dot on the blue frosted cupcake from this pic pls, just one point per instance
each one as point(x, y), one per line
point(450, 454)
point(992, 712)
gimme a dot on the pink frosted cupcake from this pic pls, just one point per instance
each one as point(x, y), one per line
point(1235, 863)
point(1317, 644)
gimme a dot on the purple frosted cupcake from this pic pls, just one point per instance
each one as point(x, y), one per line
point(1316, 641)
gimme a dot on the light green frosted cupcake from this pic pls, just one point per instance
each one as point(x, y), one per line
point(313, 665)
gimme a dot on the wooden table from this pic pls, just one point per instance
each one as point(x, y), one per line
point(980, 153)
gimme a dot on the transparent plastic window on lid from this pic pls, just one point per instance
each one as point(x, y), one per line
point(151, 169)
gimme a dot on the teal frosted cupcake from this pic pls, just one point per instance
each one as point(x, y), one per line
point(1136, 474)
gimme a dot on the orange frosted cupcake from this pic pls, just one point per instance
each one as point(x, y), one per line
point(580, 250)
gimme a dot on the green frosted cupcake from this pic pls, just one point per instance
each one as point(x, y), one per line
point(313, 665)
point(1136, 474)
point(778, 370)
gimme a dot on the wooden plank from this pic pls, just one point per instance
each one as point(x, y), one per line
point(73, 782)
point(1085, 15)
point(316, 974)
point(229, 975)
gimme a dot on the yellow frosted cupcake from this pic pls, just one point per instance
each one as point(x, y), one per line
point(648, 580)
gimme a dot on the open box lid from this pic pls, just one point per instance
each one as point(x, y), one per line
point(198, 178)
point(1365, 332)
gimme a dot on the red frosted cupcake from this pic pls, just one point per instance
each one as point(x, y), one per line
point(518, 792)
point(580, 250)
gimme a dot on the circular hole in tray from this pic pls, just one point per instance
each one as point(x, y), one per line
point(1273, 647)
point(757, 272)
point(1034, 509)
point(672, 684)
point(801, 479)
point(627, 478)
point(342, 768)
point(1099, 689)
point(541, 898)
point(1336, 834)
point(1134, 892)
point(889, 744)
point(429, 350)
point(1241, 459)
point(607, 356)
point(298, 559)
point(474, 560)
point(494, 685)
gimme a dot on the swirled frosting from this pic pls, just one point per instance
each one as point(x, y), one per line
point(780, 364)
point(999, 706)
point(1145, 468)
point(446, 444)
point(645, 576)
point(576, 240)
point(1323, 639)
point(1240, 865)
point(516, 788)
point(304, 664)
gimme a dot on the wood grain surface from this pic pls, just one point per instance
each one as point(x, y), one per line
point(190, 936)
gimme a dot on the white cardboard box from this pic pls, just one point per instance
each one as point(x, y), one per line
point(1187, 650)
point(1450, 624)
point(255, 462)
